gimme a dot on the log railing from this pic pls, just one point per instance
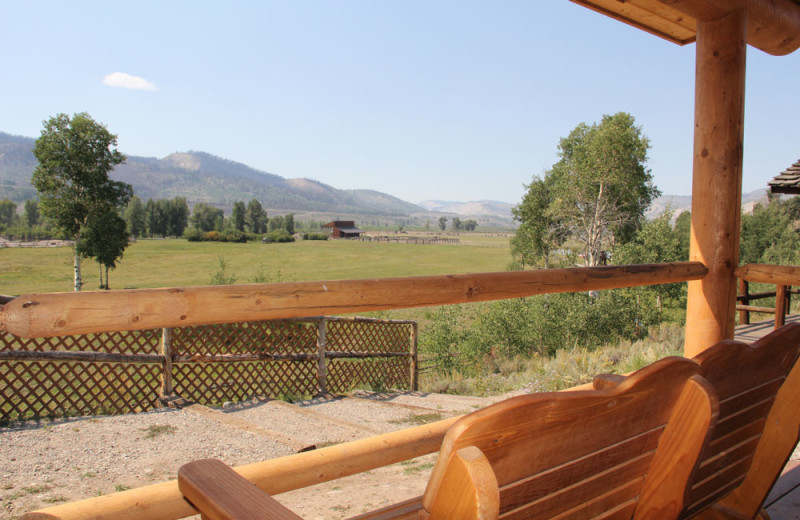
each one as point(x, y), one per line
point(53, 314)
point(56, 314)
point(782, 276)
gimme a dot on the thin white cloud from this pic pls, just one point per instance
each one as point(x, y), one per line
point(123, 80)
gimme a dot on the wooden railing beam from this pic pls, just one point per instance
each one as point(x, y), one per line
point(165, 502)
point(57, 314)
point(771, 274)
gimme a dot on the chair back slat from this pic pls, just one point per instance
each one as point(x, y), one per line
point(747, 379)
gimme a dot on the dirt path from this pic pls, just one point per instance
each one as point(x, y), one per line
point(51, 463)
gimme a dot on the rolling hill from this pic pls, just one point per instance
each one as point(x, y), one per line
point(202, 177)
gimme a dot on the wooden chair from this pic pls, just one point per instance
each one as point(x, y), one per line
point(758, 425)
point(623, 451)
point(617, 452)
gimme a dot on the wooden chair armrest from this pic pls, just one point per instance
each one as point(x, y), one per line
point(219, 493)
point(603, 381)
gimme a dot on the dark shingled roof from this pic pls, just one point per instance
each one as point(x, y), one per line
point(789, 180)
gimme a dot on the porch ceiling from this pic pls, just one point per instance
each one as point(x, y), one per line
point(773, 25)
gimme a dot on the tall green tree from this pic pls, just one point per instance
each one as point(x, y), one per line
point(683, 229)
point(31, 213)
point(657, 241)
point(768, 235)
point(7, 211)
point(288, 223)
point(256, 217)
point(105, 239)
point(276, 223)
point(540, 231)
point(135, 217)
point(238, 215)
point(442, 223)
point(602, 185)
point(206, 217)
point(177, 216)
point(76, 155)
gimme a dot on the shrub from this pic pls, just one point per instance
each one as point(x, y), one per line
point(221, 276)
point(232, 235)
point(315, 236)
point(229, 235)
point(193, 234)
point(279, 235)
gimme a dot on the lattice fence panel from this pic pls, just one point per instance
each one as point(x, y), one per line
point(124, 342)
point(58, 388)
point(368, 336)
point(216, 383)
point(376, 374)
point(272, 337)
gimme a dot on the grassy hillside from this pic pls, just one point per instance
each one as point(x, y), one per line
point(176, 263)
point(202, 177)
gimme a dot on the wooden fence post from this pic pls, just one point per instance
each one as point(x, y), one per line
point(744, 290)
point(780, 306)
point(322, 368)
point(414, 364)
point(166, 367)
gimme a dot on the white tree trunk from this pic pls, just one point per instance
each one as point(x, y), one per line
point(76, 263)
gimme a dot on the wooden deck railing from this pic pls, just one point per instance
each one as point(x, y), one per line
point(58, 314)
point(66, 375)
point(782, 276)
point(88, 312)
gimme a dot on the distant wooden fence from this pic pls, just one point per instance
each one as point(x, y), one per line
point(408, 240)
point(134, 371)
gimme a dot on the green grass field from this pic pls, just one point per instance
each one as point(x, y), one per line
point(178, 263)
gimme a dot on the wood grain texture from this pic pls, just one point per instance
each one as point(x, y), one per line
point(717, 178)
point(758, 426)
point(685, 437)
point(773, 25)
point(220, 493)
point(410, 509)
point(54, 314)
point(772, 274)
point(781, 434)
point(556, 454)
point(469, 489)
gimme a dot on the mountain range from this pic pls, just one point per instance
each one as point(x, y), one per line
point(202, 177)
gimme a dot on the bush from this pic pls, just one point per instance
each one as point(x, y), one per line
point(315, 236)
point(279, 235)
point(229, 235)
point(232, 235)
point(193, 234)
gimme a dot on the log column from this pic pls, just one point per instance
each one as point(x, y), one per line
point(717, 178)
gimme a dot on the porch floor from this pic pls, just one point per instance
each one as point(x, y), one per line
point(783, 502)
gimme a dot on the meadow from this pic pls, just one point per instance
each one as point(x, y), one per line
point(179, 263)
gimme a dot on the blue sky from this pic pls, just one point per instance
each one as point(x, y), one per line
point(453, 100)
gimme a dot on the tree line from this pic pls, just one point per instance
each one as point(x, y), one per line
point(588, 208)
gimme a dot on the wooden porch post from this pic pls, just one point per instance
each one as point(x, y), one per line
point(717, 178)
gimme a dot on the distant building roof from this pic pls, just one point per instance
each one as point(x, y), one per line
point(788, 181)
point(349, 229)
point(340, 223)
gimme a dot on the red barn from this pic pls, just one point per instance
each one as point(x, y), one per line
point(342, 229)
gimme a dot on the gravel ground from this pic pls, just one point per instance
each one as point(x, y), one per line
point(50, 463)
